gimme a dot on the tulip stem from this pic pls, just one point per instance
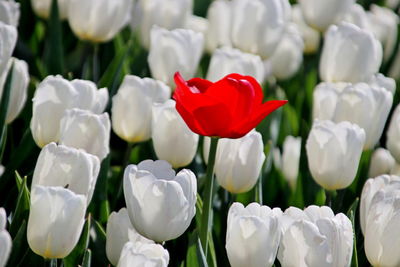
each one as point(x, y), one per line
point(51, 262)
point(208, 196)
point(330, 195)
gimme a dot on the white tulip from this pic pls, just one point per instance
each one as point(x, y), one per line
point(219, 29)
point(172, 51)
point(197, 24)
point(315, 237)
point(355, 15)
point(393, 135)
point(383, 23)
point(56, 219)
point(321, 14)
point(9, 13)
point(138, 254)
point(160, 203)
point(19, 87)
point(42, 8)
point(67, 167)
point(392, 3)
point(366, 106)
point(132, 107)
point(86, 130)
point(325, 97)
point(98, 20)
point(382, 162)
point(379, 80)
point(8, 40)
point(229, 60)
point(252, 235)
point(265, 18)
point(53, 96)
point(288, 56)
point(5, 239)
point(171, 134)
point(168, 14)
point(291, 159)
point(119, 232)
point(350, 54)
point(334, 152)
point(311, 37)
point(238, 162)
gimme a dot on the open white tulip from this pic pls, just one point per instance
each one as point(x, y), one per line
point(334, 152)
point(8, 37)
point(172, 51)
point(5, 239)
point(315, 237)
point(350, 54)
point(56, 220)
point(382, 162)
point(219, 28)
point(138, 254)
point(160, 203)
point(291, 159)
point(393, 134)
point(229, 60)
point(67, 167)
point(98, 20)
point(311, 37)
point(9, 12)
point(42, 8)
point(86, 130)
point(170, 133)
point(132, 107)
point(253, 235)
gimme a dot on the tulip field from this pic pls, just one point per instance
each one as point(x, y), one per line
point(196, 133)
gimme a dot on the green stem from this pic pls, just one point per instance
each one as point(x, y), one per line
point(330, 195)
point(51, 262)
point(95, 63)
point(259, 191)
point(208, 195)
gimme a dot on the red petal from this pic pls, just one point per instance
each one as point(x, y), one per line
point(201, 85)
point(214, 120)
point(259, 96)
point(189, 119)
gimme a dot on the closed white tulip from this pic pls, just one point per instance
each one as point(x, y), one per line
point(160, 203)
point(266, 19)
point(238, 162)
point(253, 235)
point(67, 167)
point(380, 80)
point(355, 15)
point(392, 3)
point(229, 60)
point(219, 28)
point(325, 97)
point(171, 134)
point(393, 135)
point(288, 56)
point(311, 37)
point(350, 54)
point(334, 152)
point(170, 14)
point(315, 237)
point(9, 12)
point(5, 239)
point(119, 232)
point(98, 20)
point(366, 106)
point(382, 162)
point(86, 130)
point(197, 24)
point(132, 107)
point(53, 96)
point(321, 14)
point(19, 87)
point(172, 51)
point(56, 219)
point(291, 159)
point(137, 254)
point(8, 37)
point(42, 8)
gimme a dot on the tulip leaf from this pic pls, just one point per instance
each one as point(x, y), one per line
point(87, 258)
point(74, 257)
point(98, 244)
point(22, 208)
point(202, 261)
point(4, 103)
point(351, 214)
point(20, 245)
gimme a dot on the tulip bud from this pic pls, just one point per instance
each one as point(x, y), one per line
point(219, 29)
point(265, 18)
point(197, 24)
point(132, 107)
point(153, 184)
point(56, 219)
point(325, 97)
point(252, 235)
point(5, 239)
point(119, 232)
point(366, 106)
point(321, 14)
point(291, 159)
point(311, 37)
point(19, 87)
point(382, 162)
point(228, 60)
point(42, 8)
point(8, 37)
point(9, 13)
point(238, 161)
point(393, 134)
point(86, 130)
point(170, 133)
point(137, 254)
point(56, 95)
point(350, 54)
point(315, 237)
point(379, 80)
point(171, 14)
point(67, 167)
point(332, 147)
point(172, 51)
point(288, 56)
point(355, 15)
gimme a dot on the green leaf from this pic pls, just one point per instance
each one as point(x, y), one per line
point(4, 103)
point(202, 262)
point(21, 212)
point(87, 258)
point(100, 205)
point(98, 244)
point(54, 48)
point(351, 214)
point(19, 247)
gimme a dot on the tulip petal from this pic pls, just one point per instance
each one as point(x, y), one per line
point(215, 120)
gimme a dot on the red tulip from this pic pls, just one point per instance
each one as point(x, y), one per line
point(229, 108)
